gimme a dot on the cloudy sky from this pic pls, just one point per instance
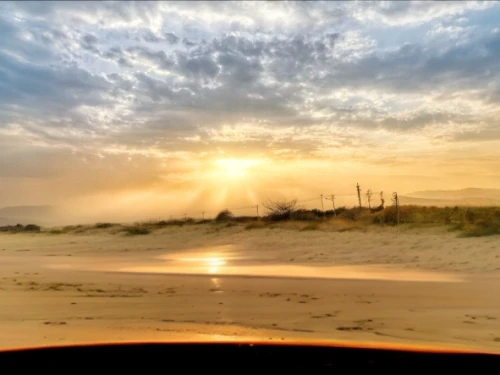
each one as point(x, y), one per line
point(158, 108)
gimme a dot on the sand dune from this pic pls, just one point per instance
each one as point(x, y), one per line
point(419, 287)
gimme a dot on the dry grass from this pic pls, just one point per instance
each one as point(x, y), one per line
point(137, 230)
point(468, 221)
point(334, 225)
point(256, 225)
point(311, 226)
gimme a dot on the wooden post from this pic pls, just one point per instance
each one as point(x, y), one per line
point(322, 205)
point(359, 194)
point(396, 202)
point(333, 204)
point(369, 196)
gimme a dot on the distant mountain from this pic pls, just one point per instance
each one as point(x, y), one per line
point(462, 197)
point(26, 215)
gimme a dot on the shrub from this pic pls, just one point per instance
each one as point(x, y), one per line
point(134, 231)
point(311, 226)
point(354, 213)
point(224, 215)
point(245, 219)
point(32, 228)
point(204, 221)
point(304, 215)
point(480, 231)
point(164, 223)
point(69, 228)
point(470, 216)
point(256, 225)
point(104, 225)
point(280, 210)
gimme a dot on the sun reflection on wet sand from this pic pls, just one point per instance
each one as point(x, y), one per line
point(226, 264)
point(335, 272)
point(217, 282)
point(205, 262)
point(225, 261)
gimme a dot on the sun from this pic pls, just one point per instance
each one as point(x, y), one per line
point(235, 167)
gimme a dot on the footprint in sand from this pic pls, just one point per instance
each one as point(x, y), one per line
point(363, 321)
point(349, 329)
point(328, 315)
point(321, 316)
point(474, 317)
point(269, 294)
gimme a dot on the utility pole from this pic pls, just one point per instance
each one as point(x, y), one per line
point(382, 200)
point(359, 194)
point(369, 196)
point(333, 204)
point(257, 207)
point(395, 199)
point(322, 206)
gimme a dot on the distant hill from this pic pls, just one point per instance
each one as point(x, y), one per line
point(462, 197)
point(26, 215)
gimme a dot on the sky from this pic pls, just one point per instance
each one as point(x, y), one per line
point(151, 109)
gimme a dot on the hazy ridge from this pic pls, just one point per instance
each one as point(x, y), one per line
point(49, 215)
point(461, 197)
point(27, 214)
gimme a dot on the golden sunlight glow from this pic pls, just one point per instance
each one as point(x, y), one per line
point(210, 263)
point(214, 264)
point(236, 167)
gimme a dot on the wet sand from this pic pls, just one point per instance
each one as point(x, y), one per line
point(106, 287)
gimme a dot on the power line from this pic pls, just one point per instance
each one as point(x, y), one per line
point(256, 206)
point(309, 200)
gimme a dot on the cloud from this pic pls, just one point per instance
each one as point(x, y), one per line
point(89, 42)
point(171, 38)
point(151, 80)
point(399, 13)
point(43, 88)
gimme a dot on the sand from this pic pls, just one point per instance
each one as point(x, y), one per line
point(421, 287)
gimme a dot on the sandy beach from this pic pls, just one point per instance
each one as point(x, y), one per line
point(203, 282)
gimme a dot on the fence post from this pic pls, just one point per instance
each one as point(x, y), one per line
point(396, 202)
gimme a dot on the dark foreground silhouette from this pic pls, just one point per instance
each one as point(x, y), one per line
point(240, 357)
